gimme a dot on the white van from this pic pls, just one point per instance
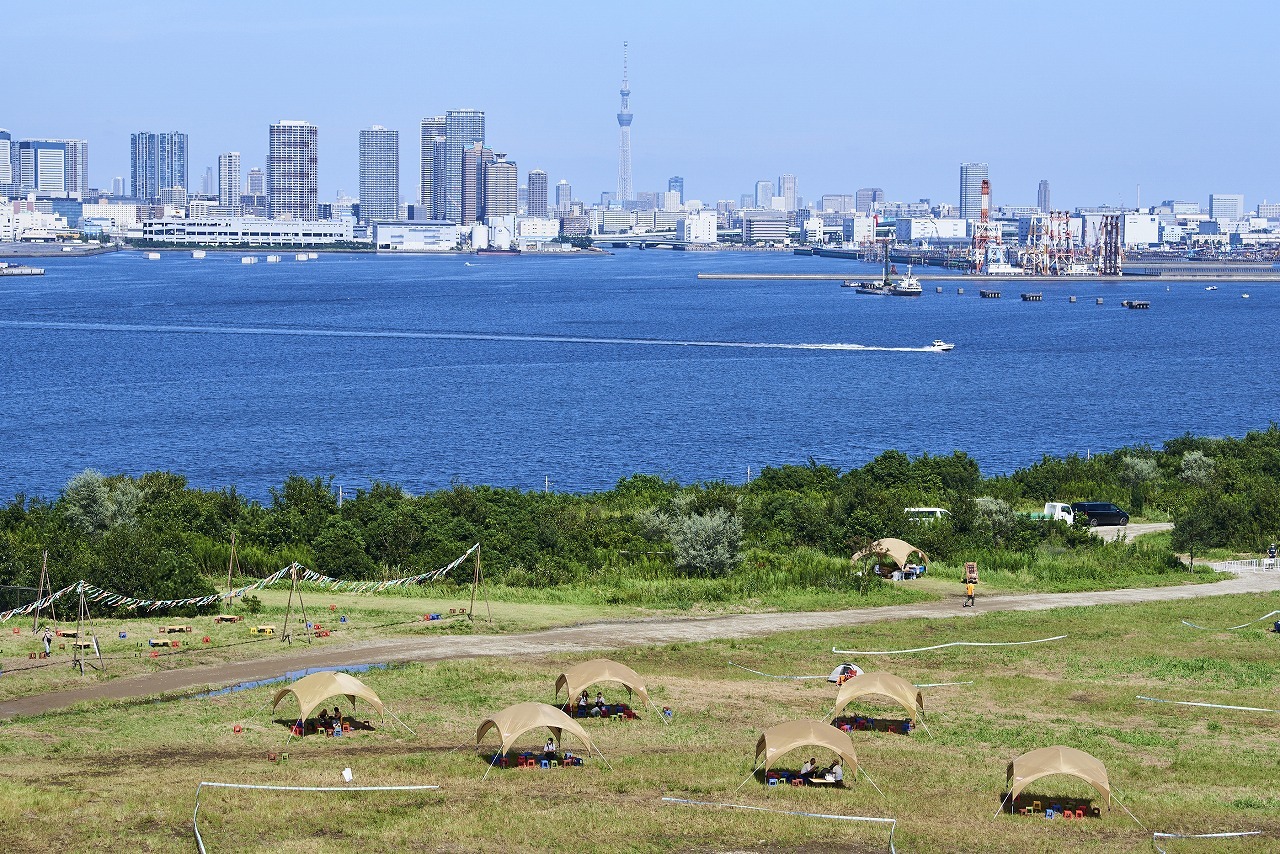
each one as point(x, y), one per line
point(926, 514)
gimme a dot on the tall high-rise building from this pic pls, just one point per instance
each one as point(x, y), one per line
point(501, 187)
point(675, 184)
point(474, 162)
point(229, 179)
point(117, 186)
point(625, 193)
point(564, 196)
point(971, 178)
point(764, 194)
point(77, 166)
point(430, 130)
point(207, 182)
point(52, 166)
point(293, 182)
point(787, 189)
point(157, 162)
point(537, 205)
point(257, 181)
point(1226, 206)
point(866, 198)
point(462, 130)
point(7, 183)
point(1042, 197)
point(379, 174)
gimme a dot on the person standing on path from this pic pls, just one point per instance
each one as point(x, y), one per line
point(968, 595)
point(48, 641)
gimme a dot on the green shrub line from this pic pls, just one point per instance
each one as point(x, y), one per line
point(782, 540)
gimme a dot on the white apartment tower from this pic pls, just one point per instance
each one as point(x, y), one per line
point(293, 171)
point(379, 174)
point(229, 180)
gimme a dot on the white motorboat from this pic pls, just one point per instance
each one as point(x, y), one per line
point(942, 346)
point(1211, 288)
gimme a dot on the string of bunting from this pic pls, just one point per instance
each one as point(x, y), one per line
point(95, 594)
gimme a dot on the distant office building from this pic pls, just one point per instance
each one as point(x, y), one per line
point(839, 202)
point(257, 182)
point(379, 174)
point(462, 130)
point(7, 183)
point(157, 162)
point(415, 236)
point(764, 227)
point(537, 205)
point(229, 179)
point(764, 194)
point(501, 187)
point(675, 184)
point(293, 171)
point(247, 231)
point(431, 129)
point(867, 198)
point(971, 178)
point(117, 186)
point(1269, 210)
point(474, 162)
point(207, 184)
point(671, 201)
point(1226, 206)
point(697, 227)
point(564, 196)
point(608, 198)
point(45, 166)
point(1042, 197)
point(787, 190)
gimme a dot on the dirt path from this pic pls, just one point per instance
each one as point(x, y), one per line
point(601, 636)
point(1111, 533)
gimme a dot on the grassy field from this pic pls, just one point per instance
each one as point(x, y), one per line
point(93, 777)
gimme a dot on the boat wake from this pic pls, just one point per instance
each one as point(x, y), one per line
point(165, 329)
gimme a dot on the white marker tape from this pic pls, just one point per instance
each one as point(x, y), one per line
point(892, 822)
point(942, 646)
point(1208, 705)
point(1231, 628)
point(1156, 836)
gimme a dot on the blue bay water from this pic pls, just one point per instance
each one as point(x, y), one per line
point(425, 371)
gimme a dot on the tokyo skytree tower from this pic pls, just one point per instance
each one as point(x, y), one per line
point(625, 193)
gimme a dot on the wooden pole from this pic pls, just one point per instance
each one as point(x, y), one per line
point(230, 562)
point(44, 585)
point(475, 582)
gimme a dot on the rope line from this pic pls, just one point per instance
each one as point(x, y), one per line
point(1231, 628)
point(941, 646)
point(1156, 845)
point(892, 822)
point(1207, 705)
point(195, 813)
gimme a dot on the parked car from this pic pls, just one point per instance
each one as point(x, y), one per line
point(926, 514)
point(1100, 513)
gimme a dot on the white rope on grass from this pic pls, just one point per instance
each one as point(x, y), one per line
point(195, 813)
point(1156, 845)
point(892, 822)
point(772, 676)
point(941, 646)
point(1231, 628)
point(1207, 705)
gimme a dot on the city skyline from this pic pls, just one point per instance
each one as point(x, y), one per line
point(1154, 130)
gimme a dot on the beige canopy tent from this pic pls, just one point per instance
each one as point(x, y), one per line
point(589, 673)
point(899, 551)
point(1029, 767)
point(313, 690)
point(514, 721)
point(785, 737)
point(885, 684)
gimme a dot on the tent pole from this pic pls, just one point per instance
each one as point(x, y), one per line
point(1000, 808)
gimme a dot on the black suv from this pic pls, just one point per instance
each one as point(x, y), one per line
point(1100, 513)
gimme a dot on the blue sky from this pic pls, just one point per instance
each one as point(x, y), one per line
point(1098, 97)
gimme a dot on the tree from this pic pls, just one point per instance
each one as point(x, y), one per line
point(1136, 473)
point(1197, 468)
point(707, 544)
point(1193, 526)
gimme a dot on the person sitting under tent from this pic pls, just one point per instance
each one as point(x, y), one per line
point(807, 769)
point(584, 702)
point(836, 772)
point(337, 716)
point(322, 720)
point(549, 749)
point(599, 708)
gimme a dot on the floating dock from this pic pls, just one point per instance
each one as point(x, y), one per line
point(20, 270)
